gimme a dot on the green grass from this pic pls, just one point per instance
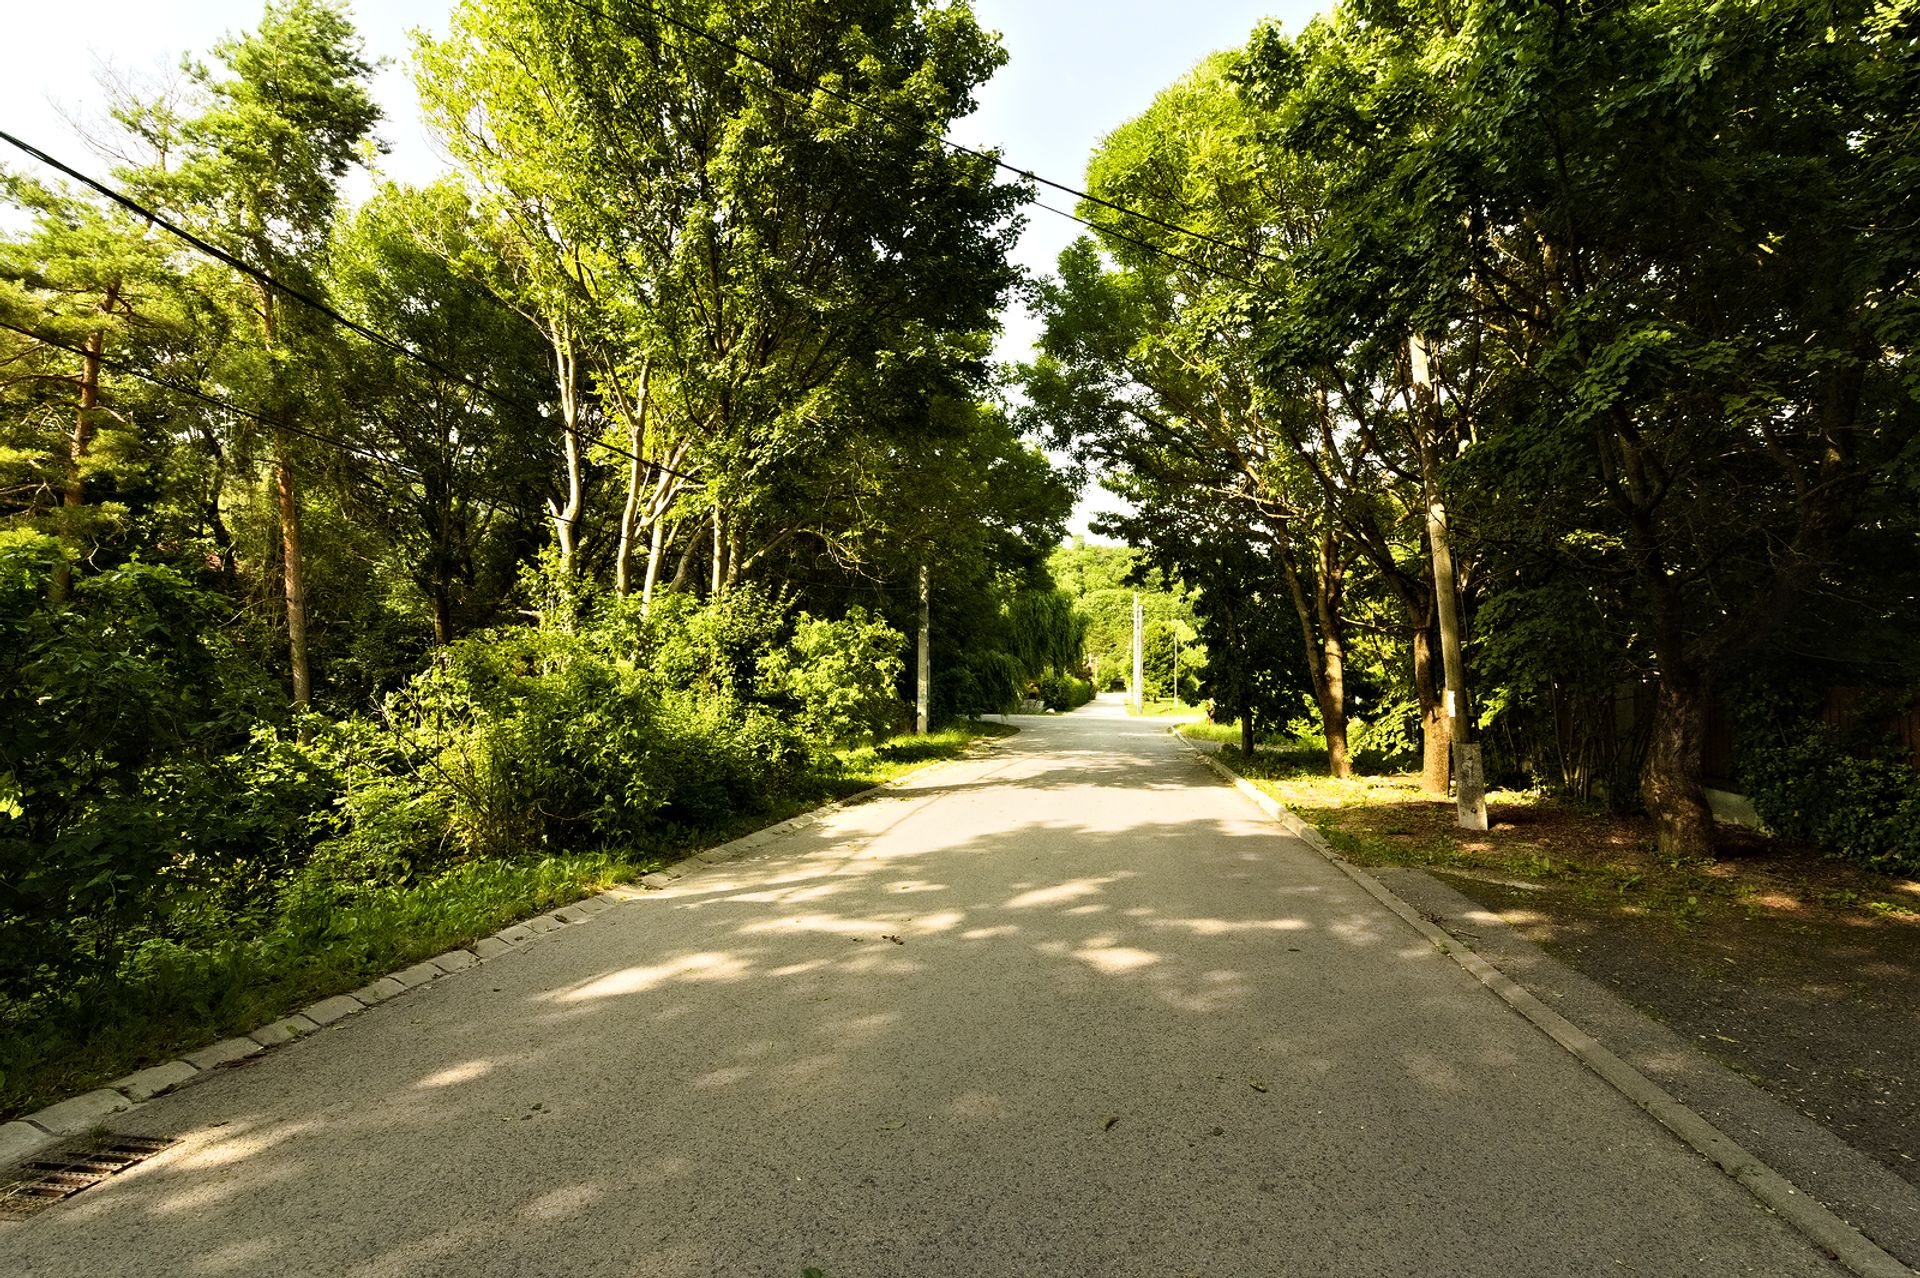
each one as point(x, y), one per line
point(1228, 733)
point(174, 1000)
point(1166, 708)
point(1568, 847)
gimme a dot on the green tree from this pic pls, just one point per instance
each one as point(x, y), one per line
point(98, 281)
point(1153, 362)
point(1671, 228)
point(444, 470)
point(773, 268)
point(259, 169)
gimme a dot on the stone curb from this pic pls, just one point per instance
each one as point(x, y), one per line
point(30, 1133)
point(1822, 1227)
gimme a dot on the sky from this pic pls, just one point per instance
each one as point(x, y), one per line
point(1077, 69)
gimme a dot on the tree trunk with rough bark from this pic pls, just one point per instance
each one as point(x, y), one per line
point(1434, 745)
point(1471, 810)
point(78, 448)
point(1325, 659)
point(293, 565)
point(1671, 781)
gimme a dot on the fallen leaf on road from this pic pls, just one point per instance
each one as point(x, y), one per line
point(891, 937)
point(893, 1125)
point(1108, 1125)
point(1256, 1085)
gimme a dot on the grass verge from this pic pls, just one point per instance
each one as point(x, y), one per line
point(1164, 709)
point(174, 1000)
point(1592, 856)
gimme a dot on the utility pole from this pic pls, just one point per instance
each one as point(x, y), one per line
point(1139, 655)
point(924, 680)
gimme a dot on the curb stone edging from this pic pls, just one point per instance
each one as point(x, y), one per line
point(1826, 1230)
point(30, 1133)
point(27, 1135)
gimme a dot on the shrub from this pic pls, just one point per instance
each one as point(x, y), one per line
point(117, 705)
point(716, 648)
point(1062, 691)
point(1862, 809)
point(840, 677)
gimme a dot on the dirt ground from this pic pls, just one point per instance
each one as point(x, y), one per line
point(1799, 972)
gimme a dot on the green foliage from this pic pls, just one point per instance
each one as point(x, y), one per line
point(842, 676)
point(1062, 691)
point(118, 707)
point(716, 650)
point(1854, 793)
point(789, 307)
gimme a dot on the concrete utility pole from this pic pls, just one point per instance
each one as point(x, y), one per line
point(923, 683)
point(1139, 656)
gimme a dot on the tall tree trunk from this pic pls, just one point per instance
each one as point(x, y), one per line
point(293, 574)
point(719, 554)
point(1471, 810)
point(630, 515)
point(442, 614)
point(81, 445)
point(293, 563)
point(683, 572)
point(75, 494)
point(923, 664)
point(656, 550)
point(1329, 696)
point(565, 514)
point(1328, 596)
point(1434, 745)
point(1671, 780)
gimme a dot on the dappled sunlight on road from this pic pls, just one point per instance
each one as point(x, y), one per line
point(568, 1203)
point(1076, 971)
point(1060, 893)
point(1107, 955)
point(465, 1072)
point(638, 980)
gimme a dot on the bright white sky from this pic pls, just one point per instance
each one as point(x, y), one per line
point(1077, 69)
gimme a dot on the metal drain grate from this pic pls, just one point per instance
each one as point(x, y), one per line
point(59, 1174)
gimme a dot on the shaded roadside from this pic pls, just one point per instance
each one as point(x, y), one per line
point(1794, 973)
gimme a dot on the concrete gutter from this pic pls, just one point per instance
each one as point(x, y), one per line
point(1826, 1230)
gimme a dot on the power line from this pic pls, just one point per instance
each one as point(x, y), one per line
point(308, 299)
point(400, 348)
point(695, 29)
point(1203, 267)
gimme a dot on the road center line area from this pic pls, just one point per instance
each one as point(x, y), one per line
point(1075, 1008)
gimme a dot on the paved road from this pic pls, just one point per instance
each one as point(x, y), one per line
point(1127, 1029)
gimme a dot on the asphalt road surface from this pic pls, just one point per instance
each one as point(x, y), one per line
point(1075, 1008)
